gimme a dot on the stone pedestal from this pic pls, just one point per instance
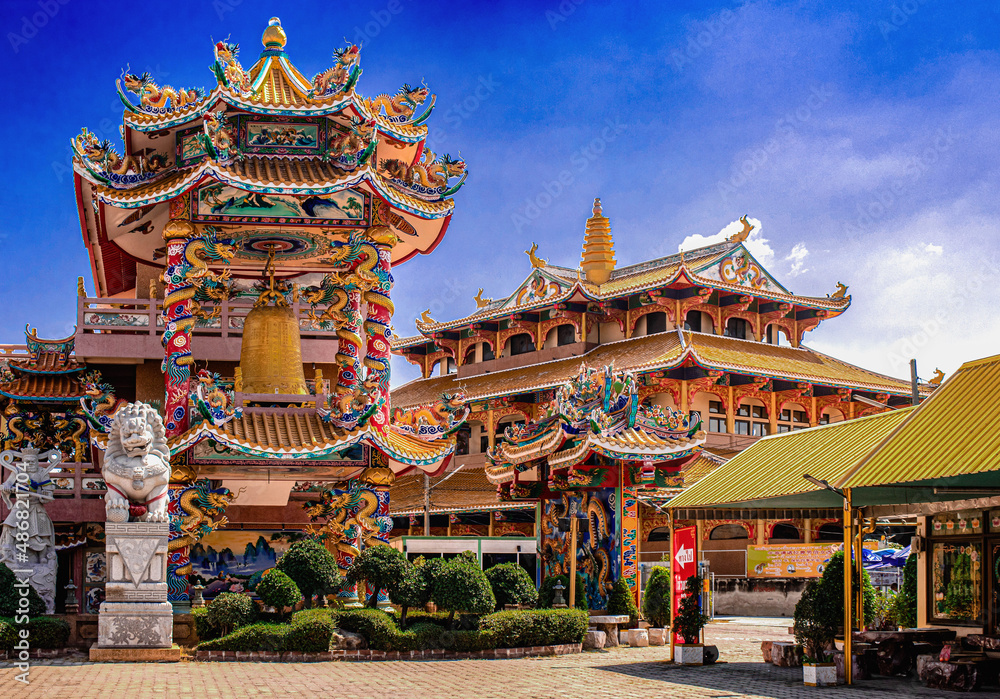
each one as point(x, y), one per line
point(135, 614)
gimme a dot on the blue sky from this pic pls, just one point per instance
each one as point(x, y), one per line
point(864, 137)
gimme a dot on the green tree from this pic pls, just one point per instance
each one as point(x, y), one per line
point(412, 591)
point(278, 590)
point(815, 622)
point(511, 584)
point(382, 567)
point(906, 600)
point(621, 601)
point(311, 566)
point(229, 611)
point(656, 598)
point(459, 585)
point(690, 620)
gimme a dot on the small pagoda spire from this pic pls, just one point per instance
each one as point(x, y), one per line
point(274, 38)
point(598, 247)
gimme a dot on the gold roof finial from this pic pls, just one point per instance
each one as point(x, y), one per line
point(598, 247)
point(274, 36)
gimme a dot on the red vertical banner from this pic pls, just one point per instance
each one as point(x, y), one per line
point(683, 564)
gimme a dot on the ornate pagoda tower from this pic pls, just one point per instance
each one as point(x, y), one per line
point(268, 213)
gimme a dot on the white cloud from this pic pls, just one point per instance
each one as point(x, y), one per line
point(933, 249)
point(797, 257)
point(756, 243)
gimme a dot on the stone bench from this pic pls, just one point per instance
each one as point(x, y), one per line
point(609, 623)
point(959, 675)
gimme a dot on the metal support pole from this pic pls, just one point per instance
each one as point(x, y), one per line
point(673, 592)
point(848, 578)
point(915, 392)
point(427, 505)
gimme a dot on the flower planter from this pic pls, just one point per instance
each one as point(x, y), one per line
point(689, 653)
point(819, 674)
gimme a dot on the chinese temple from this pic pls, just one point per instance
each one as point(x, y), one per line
point(242, 247)
point(613, 387)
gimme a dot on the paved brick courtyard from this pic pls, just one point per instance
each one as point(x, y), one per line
point(624, 672)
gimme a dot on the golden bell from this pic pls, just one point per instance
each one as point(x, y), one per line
point(271, 352)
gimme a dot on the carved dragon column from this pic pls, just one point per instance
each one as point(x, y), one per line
point(348, 359)
point(378, 478)
point(178, 323)
point(378, 321)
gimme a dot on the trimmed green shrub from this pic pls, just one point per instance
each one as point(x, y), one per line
point(884, 618)
point(255, 637)
point(511, 584)
point(278, 590)
point(311, 566)
point(48, 632)
point(8, 634)
point(814, 622)
point(382, 567)
point(832, 589)
point(621, 601)
point(546, 593)
point(427, 635)
point(229, 611)
point(656, 598)
point(906, 600)
point(515, 629)
point(378, 628)
point(690, 621)
point(205, 629)
point(412, 591)
point(10, 596)
point(313, 635)
point(461, 586)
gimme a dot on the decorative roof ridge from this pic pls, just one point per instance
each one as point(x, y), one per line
point(923, 389)
point(674, 258)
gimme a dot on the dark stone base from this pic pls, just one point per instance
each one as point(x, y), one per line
point(958, 676)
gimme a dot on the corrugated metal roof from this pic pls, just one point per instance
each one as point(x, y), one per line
point(955, 432)
point(775, 465)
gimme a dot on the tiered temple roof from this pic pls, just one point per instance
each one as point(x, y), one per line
point(49, 374)
point(304, 161)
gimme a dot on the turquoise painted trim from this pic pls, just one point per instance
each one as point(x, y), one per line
point(255, 85)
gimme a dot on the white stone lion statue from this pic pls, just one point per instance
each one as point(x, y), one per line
point(137, 466)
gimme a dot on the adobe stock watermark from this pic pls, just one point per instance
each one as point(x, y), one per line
point(581, 159)
point(899, 17)
point(698, 42)
point(884, 200)
point(904, 349)
point(784, 129)
point(562, 11)
point(456, 114)
point(33, 23)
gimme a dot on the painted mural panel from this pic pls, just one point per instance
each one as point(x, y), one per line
point(598, 550)
point(226, 559)
point(630, 534)
point(280, 135)
point(222, 203)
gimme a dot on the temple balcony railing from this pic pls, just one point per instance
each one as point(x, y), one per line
point(14, 352)
point(130, 329)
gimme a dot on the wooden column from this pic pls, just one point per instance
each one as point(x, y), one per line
point(848, 617)
point(807, 531)
point(731, 413)
point(772, 415)
point(813, 417)
point(684, 396)
point(761, 532)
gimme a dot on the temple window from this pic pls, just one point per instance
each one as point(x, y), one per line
point(462, 440)
point(470, 355)
point(448, 366)
point(565, 335)
point(692, 321)
point(659, 534)
point(488, 353)
point(757, 424)
point(728, 531)
point(716, 424)
point(773, 336)
point(736, 327)
point(830, 532)
point(521, 344)
point(656, 323)
point(789, 420)
point(484, 442)
point(785, 530)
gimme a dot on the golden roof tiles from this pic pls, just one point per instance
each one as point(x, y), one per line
point(774, 466)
